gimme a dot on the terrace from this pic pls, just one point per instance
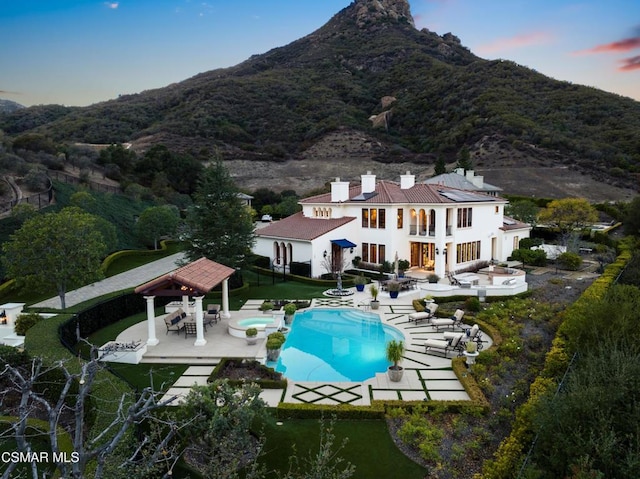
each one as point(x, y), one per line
point(427, 377)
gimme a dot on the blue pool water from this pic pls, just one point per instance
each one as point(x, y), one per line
point(335, 345)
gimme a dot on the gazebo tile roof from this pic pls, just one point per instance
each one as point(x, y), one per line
point(201, 275)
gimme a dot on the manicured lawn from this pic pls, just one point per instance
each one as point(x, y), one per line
point(129, 261)
point(369, 447)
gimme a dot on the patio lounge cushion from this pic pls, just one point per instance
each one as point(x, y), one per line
point(175, 320)
point(427, 314)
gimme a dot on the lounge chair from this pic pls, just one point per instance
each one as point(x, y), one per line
point(452, 322)
point(424, 315)
point(212, 314)
point(474, 335)
point(444, 346)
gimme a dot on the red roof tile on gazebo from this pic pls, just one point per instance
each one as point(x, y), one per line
point(197, 277)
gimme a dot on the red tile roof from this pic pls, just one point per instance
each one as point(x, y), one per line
point(198, 277)
point(390, 192)
point(298, 226)
point(513, 224)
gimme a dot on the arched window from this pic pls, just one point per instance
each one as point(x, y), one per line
point(290, 252)
point(413, 227)
point(283, 250)
point(423, 222)
point(276, 252)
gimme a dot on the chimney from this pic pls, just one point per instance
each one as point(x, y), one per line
point(368, 182)
point(407, 181)
point(339, 191)
point(459, 171)
point(477, 181)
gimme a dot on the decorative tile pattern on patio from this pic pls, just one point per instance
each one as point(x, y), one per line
point(316, 393)
point(333, 302)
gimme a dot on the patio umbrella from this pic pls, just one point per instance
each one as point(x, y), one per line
point(395, 265)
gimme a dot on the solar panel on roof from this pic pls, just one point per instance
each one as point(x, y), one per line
point(463, 196)
point(364, 196)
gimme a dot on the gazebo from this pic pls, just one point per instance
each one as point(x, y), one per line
point(192, 280)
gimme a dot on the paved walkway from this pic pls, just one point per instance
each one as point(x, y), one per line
point(119, 282)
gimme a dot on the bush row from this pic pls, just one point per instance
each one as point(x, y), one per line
point(510, 454)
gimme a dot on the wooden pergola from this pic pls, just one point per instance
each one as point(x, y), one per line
point(192, 280)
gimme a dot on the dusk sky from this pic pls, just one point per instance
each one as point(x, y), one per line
point(78, 52)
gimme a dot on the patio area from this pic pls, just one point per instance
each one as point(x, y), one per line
point(426, 376)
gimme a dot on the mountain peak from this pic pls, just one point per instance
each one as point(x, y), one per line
point(367, 11)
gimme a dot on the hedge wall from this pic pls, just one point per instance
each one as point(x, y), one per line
point(509, 457)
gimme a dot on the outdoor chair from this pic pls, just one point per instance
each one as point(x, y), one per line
point(474, 334)
point(175, 321)
point(452, 322)
point(427, 314)
point(212, 314)
point(444, 346)
point(190, 328)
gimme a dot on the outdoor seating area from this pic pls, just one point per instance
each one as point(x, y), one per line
point(405, 284)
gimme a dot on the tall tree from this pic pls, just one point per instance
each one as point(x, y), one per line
point(440, 167)
point(157, 221)
point(219, 224)
point(464, 159)
point(56, 250)
point(523, 210)
point(568, 214)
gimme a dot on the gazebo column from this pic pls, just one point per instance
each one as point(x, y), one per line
point(152, 339)
point(185, 303)
point(225, 299)
point(200, 341)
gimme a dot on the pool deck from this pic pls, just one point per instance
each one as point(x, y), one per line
point(426, 377)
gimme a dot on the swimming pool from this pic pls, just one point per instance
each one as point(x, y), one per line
point(335, 345)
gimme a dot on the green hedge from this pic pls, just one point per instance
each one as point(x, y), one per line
point(510, 455)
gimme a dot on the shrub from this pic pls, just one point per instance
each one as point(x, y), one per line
point(472, 304)
point(433, 278)
point(530, 257)
point(266, 306)
point(251, 332)
point(570, 261)
point(13, 356)
point(26, 321)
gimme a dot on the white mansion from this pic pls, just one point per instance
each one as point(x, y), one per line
point(435, 227)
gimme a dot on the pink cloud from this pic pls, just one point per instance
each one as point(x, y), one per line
point(519, 41)
point(614, 47)
point(629, 64)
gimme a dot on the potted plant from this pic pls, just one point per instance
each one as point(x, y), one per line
point(289, 310)
point(394, 288)
point(433, 278)
point(403, 265)
point(373, 289)
point(395, 351)
point(274, 344)
point(266, 307)
point(360, 281)
point(252, 335)
point(471, 352)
